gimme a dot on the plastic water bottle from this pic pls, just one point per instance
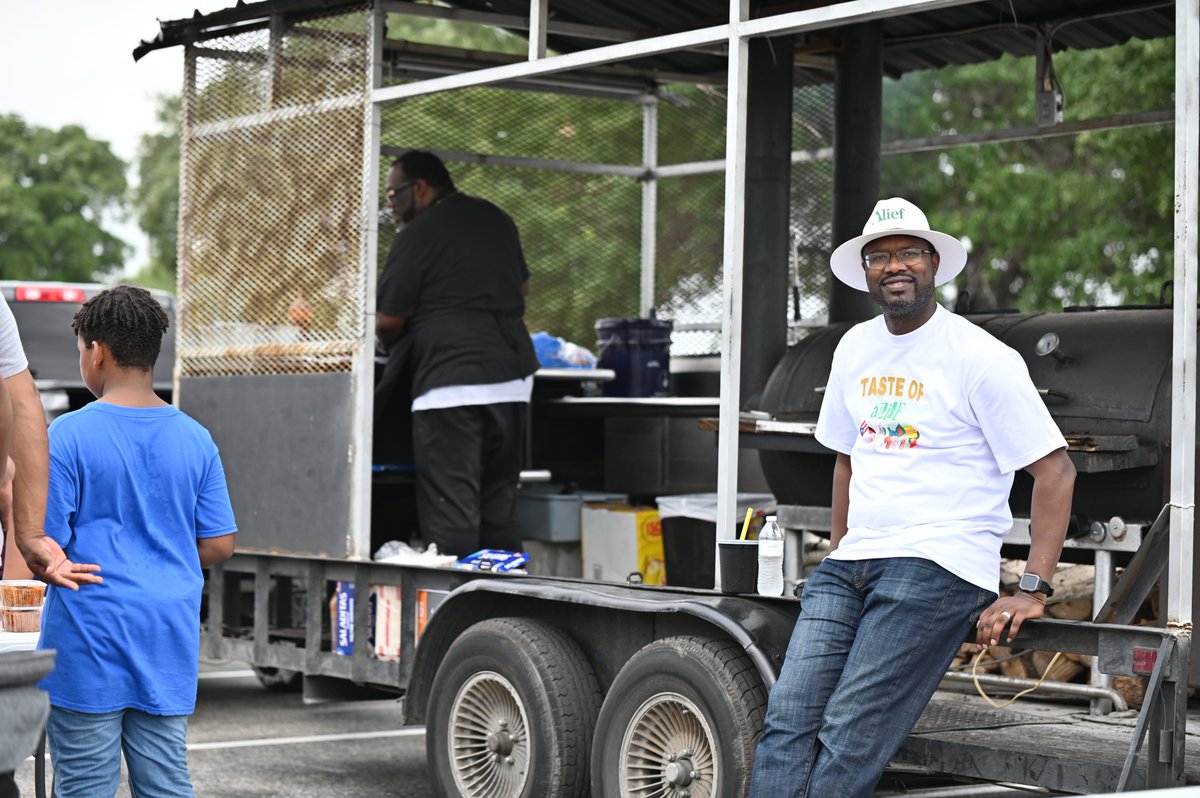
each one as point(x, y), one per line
point(770, 559)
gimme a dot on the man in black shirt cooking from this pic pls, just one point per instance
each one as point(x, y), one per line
point(450, 309)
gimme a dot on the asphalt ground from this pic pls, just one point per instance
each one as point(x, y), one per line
point(246, 741)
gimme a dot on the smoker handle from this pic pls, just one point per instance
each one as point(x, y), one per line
point(1049, 393)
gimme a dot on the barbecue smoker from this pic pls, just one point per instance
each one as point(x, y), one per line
point(1105, 375)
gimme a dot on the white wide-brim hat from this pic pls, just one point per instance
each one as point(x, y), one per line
point(897, 217)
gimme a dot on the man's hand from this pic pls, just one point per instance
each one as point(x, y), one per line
point(50, 564)
point(1006, 610)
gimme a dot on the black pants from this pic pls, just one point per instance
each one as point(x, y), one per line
point(8, 786)
point(468, 462)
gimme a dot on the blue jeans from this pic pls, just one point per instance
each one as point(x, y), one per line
point(872, 642)
point(86, 748)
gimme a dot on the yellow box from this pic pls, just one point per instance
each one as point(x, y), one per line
point(618, 539)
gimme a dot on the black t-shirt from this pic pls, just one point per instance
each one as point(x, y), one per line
point(456, 271)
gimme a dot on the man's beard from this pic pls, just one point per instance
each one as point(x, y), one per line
point(903, 308)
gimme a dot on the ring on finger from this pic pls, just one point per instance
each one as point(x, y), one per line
point(1006, 614)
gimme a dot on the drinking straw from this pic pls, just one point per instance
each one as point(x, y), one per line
point(746, 523)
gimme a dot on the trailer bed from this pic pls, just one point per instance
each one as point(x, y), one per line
point(1052, 745)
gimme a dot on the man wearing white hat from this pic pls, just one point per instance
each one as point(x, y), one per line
point(930, 416)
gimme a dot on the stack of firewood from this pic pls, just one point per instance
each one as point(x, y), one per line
point(1072, 600)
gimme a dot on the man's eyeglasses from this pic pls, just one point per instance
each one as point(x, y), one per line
point(392, 192)
point(907, 257)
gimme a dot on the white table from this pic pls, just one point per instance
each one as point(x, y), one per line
point(18, 641)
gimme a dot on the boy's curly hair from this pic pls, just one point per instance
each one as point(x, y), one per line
point(128, 320)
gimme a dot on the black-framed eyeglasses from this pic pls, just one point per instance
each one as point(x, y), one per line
point(907, 257)
point(392, 192)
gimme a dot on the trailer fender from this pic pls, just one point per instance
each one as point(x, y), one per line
point(610, 622)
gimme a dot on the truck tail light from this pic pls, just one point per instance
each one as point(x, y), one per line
point(49, 293)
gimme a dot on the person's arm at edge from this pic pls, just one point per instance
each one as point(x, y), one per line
point(31, 455)
point(14, 566)
point(840, 506)
point(216, 549)
point(1049, 514)
point(388, 328)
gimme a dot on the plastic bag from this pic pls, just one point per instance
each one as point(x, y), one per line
point(554, 352)
point(395, 551)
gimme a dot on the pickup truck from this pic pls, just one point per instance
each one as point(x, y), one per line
point(43, 311)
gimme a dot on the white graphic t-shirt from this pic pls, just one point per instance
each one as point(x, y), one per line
point(935, 423)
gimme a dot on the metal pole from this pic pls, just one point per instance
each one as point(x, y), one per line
point(538, 15)
point(766, 256)
point(364, 358)
point(1101, 590)
point(649, 203)
point(731, 275)
point(1183, 380)
point(183, 253)
point(858, 132)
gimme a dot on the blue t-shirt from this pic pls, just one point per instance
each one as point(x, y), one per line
point(131, 489)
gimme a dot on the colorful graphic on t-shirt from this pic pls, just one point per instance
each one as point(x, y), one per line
point(888, 436)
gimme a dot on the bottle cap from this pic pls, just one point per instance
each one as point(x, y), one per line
point(770, 519)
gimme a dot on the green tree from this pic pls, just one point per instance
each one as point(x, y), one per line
point(156, 198)
point(1052, 222)
point(57, 187)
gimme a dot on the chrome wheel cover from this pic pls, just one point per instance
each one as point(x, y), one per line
point(668, 751)
point(488, 738)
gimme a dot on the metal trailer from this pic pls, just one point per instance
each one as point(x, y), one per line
point(513, 670)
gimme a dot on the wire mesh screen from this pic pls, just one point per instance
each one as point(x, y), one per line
point(545, 160)
point(691, 216)
point(811, 206)
point(271, 199)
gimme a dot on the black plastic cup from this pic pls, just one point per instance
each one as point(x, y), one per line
point(739, 565)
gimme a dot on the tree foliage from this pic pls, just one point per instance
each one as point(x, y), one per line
point(156, 198)
point(1059, 221)
point(57, 187)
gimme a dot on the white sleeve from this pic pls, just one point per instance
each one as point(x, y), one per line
point(1012, 415)
point(12, 356)
point(836, 428)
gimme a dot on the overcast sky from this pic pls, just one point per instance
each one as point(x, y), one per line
point(70, 62)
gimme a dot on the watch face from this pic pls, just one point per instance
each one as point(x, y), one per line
point(1030, 582)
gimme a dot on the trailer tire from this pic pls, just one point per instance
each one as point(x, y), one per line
point(511, 713)
point(682, 717)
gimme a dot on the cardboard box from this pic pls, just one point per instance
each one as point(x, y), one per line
point(385, 609)
point(427, 603)
point(619, 539)
point(384, 639)
point(341, 618)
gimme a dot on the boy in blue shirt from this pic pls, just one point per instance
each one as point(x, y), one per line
point(136, 487)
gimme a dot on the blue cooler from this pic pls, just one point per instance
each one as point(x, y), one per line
point(639, 352)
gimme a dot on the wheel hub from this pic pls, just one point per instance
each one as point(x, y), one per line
point(680, 773)
point(489, 738)
point(500, 742)
point(668, 751)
